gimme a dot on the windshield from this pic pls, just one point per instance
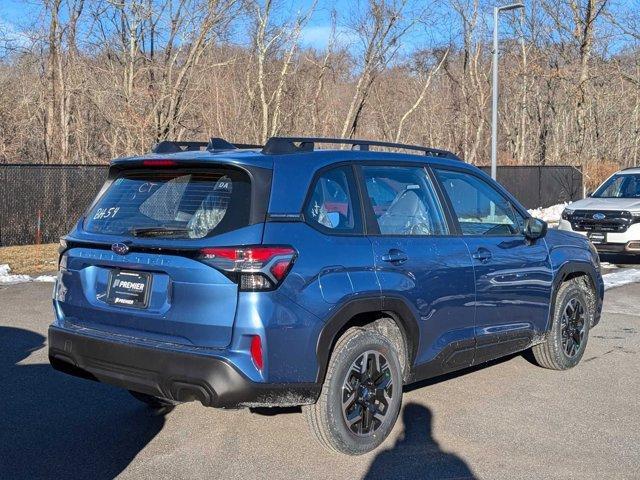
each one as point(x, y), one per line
point(172, 203)
point(620, 186)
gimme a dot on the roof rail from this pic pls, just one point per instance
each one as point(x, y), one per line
point(285, 145)
point(215, 143)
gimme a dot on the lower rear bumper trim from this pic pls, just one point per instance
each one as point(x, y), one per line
point(176, 376)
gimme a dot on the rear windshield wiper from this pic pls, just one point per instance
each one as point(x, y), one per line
point(158, 231)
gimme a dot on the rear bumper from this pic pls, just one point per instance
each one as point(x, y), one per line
point(177, 376)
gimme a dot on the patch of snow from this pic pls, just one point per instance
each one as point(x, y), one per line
point(7, 278)
point(621, 277)
point(45, 278)
point(549, 214)
point(12, 279)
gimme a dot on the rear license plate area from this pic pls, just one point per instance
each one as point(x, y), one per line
point(597, 237)
point(129, 289)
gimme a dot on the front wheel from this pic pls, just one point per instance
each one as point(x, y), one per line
point(361, 395)
point(567, 338)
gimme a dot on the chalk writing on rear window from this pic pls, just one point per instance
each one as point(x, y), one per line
point(104, 213)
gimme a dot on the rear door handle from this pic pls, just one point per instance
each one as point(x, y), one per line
point(482, 254)
point(395, 256)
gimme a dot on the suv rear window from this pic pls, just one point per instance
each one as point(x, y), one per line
point(173, 203)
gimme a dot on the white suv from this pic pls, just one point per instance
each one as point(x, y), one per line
point(610, 216)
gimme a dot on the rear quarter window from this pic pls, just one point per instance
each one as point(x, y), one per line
point(173, 203)
point(334, 205)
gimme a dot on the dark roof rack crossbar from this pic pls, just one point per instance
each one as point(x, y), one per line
point(215, 143)
point(168, 146)
point(286, 145)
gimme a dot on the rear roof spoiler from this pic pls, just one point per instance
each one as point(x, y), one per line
point(215, 143)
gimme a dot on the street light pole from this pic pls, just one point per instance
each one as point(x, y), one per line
point(494, 96)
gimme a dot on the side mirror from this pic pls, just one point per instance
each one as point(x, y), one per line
point(534, 228)
point(589, 194)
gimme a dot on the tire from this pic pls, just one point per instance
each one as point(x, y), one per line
point(151, 401)
point(566, 341)
point(345, 380)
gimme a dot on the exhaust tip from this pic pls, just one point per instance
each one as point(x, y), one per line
point(189, 392)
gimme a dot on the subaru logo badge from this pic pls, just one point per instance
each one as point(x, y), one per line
point(599, 216)
point(120, 248)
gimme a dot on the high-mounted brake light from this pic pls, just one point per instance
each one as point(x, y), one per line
point(253, 268)
point(159, 163)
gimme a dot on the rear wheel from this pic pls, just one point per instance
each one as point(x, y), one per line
point(567, 338)
point(361, 395)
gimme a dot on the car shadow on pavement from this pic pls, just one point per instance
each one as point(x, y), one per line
point(416, 454)
point(466, 371)
point(56, 426)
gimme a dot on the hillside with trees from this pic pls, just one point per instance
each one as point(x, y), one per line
point(83, 81)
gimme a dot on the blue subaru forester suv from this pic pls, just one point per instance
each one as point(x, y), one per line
point(245, 276)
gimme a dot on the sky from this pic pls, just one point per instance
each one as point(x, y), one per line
point(16, 15)
point(316, 34)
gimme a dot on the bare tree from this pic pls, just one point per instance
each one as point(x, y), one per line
point(421, 96)
point(575, 20)
point(271, 41)
point(87, 80)
point(379, 30)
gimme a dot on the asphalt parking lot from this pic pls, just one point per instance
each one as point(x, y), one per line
point(507, 420)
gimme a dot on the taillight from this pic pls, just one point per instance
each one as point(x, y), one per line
point(256, 352)
point(253, 268)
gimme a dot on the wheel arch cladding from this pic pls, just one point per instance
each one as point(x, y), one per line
point(573, 270)
point(371, 312)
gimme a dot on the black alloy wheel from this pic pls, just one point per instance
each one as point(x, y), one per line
point(573, 327)
point(367, 392)
point(361, 394)
point(566, 339)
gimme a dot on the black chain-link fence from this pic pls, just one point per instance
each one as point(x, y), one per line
point(40, 203)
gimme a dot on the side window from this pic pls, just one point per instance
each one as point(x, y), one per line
point(403, 201)
point(334, 205)
point(479, 207)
